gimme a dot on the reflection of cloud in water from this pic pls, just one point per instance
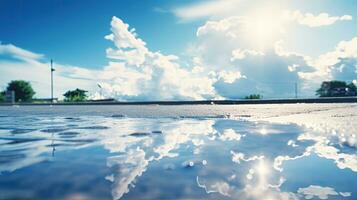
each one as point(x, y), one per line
point(237, 157)
point(220, 187)
point(130, 166)
point(342, 160)
point(323, 148)
point(43, 136)
point(278, 161)
point(230, 134)
point(182, 132)
point(320, 192)
point(133, 163)
point(14, 159)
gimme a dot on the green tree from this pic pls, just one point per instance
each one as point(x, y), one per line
point(336, 89)
point(352, 87)
point(75, 95)
point(23, 90)
point(2, 96)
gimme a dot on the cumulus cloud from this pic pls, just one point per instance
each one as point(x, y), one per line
point(269, 70)
point(134, 72)
point(342, 62)
point(239, 54)
point(228, 61)
point(130, 48)
point(143, 74)
point(205, 9)
point(221, 9)
point(229, 77)
point(311, 20)
point(226, 44)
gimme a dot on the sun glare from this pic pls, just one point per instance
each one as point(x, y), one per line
point(264, 26)
point(263, 131)
point(262, 168)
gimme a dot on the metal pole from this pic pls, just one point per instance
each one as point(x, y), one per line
point(52, 80)
point(296, 90)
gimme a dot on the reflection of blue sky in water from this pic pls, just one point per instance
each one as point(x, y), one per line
point(167, 158)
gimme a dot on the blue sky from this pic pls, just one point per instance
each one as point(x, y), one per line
point(215, 49)
point(73, 31)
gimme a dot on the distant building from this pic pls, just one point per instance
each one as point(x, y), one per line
point(10, 96)
point(343, 91)
point(329, 89)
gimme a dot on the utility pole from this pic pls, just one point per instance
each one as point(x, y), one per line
point(52, 70)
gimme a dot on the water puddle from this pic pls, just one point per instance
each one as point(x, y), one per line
point(171, 158)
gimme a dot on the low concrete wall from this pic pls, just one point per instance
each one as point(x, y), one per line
point(206, 102)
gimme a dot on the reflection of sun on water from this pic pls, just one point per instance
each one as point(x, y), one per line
point(263, 131)
point(262, 169)
point(258, 180)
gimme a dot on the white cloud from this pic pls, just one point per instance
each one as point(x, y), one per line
point(345, 194)
point(26, 65)
point(228, 62)
point(229, 77)
point(19, 53)
point(206, 9)
point(150, 75)
point(130, 48)
point(230, 26)
point(239, 54)
point(308, 19)
point(221, 9)
point(271, 71)
point(264, 71)
point(341, 63)
point(134, 74)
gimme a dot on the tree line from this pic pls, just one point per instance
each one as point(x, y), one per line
point(25, 93)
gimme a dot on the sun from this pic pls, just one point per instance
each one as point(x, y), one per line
point(264, 26)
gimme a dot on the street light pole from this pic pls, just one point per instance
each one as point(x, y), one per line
point(52, 70)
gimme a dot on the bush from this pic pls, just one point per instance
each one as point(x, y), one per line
point(76, 95)
point(2, 96)
point(254, 96)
